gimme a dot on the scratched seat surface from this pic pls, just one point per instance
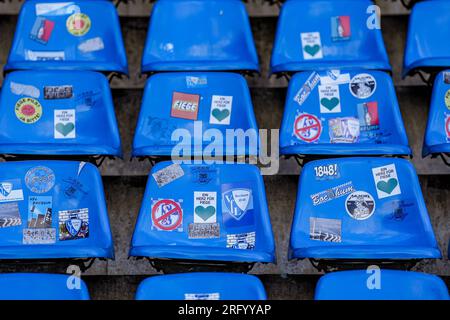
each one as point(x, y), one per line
point(437, 134)
point(204, 212)
point(68, 35)
point(201, 286)
point(393, 285)
point(58, 113)
point(342, 113)
point(317, 35)
point(52, 210)
point(425, 46)
point(361, 208)
point(34, 286)
point(199, 35)
point(197, 104)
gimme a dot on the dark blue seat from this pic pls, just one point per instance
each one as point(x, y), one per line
point(194, 102)
point(68, 35)
point(204, 212)
point(342, 113)
point(361, 209)
point(437, 134)
point(201, 286)
point(61, 113)
point(35, 286)
point(318, 35)
point(199, 35)
point(53, 210)
point(426, 47)
point(394, 285)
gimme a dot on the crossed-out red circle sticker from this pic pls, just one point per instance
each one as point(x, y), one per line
point(307, 127)
point(167, 215)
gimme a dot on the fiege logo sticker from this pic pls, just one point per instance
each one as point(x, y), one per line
point(185, 106)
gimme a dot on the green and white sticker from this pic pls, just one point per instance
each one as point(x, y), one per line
point(221, 110)
point(64, 124)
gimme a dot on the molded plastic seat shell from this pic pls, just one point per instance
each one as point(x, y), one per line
point(199, 35)
point(58, 113)
point(394, 285)
point(71, 35)
point(318, 35)
point(201, 286)
point(221, 102)
point(353, 113)
point(361, 208)
point(35, 286)
point(210, 213)
point(53, 210)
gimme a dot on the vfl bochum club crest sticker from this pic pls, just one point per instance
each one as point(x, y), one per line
point(237, 204)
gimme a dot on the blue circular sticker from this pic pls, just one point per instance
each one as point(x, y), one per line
point(40, 179)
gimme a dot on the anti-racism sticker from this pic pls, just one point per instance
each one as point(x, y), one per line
point(360, 205)
point(386, 181)
point(307, 127)
point(73, 224)
point(330, 101)
point(11, 190)
point(10, 215)
point(221, 110)
point(311, 45)
point(185, 105)
point(363, 86)
point(340, 28)
point(28, 110)
point(78, 24)
point(40, 179)
point(327, 230)
point(168, 174)
point(40, 212)
point(343, 130)
point(167, 215)
point(65, 124)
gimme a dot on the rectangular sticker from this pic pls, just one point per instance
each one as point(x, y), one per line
point(91, 45)
point(65, 124)
point(327, 230)
point(9, 215)
point(340, 28)
point(311, 45)
point(344, 130)
point(58, 92)
point(185, 105)
point(202, 296)
point(42, 30)
point(24, 90)
point(204, 230)
point(242, 241)
point(307, 88)
point(221, 110)
point(368, 116)
point(40, 212)
point(196, 82)
point(11, 190)
point(39, 236)
point(330, 100)
point(333, 193)
point(168, 174)
point(44, 55)
point(56, 9)
point(73, 224)
point(334, 77)
point(386, 181)
point(446, 77)
point(237, 205)
point(203, 174)
point(205, 207)
point(327, 172)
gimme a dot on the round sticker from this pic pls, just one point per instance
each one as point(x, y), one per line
point(40, 179)
point(78, 24)
point(167, 215)
point(307, 127)
point(360, 205)
point(447, 127)
point(28, 110)
point(447, 99)
point(363, 86)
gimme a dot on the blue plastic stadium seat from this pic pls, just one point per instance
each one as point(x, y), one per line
point(199, 35)
point(58, 113)
point(342, 113)
point(317, 35)
point(392, 285)
point(426, 45)
point(214, 102)
point(361, 209)
point(202, 286)
point(71, 35)
point(53, 210)
point(35, 286)
point(204, 212)
point(437, 135)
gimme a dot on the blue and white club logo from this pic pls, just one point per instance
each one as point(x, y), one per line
point(237, 202)
point(5, 188)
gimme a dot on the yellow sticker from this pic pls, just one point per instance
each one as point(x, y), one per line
point(28, 110)
point(447, 99)
point(78, 24)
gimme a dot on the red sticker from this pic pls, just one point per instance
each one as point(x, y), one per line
point(185, 105)
point(447, 127)
point(307, 127)
point(167, 215)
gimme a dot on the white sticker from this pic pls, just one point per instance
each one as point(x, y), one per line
point(65, 124)
point(11, 190)
point(205, 207)
point(335, 77)
point(91, 45)
point(202, 296)
point(241, 241)
point(386, 181)
point(363, 86)
point(311, 45)
point(221, 110)
point(24, 90)
point(330, 100)
point(56, 9)
point(39, 236)
point(194, 82)
point(360, 205)
point(168, 174)
point(44, 55)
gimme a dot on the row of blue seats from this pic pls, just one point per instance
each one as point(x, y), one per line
point(344, 285)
